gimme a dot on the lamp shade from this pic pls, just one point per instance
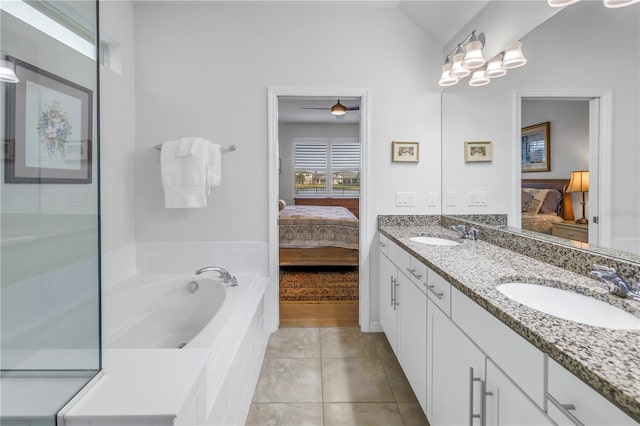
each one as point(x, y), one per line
point(619, 3)
point(494, 67)
point(513, 57)
point(473, 57)
point(579, 181)
point(479, 78)
point(446, 79)
point(8, 72)
point(561, 3)
point(338, 109)
point(457, 70)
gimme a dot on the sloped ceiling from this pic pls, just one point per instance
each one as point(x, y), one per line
point(441, 19)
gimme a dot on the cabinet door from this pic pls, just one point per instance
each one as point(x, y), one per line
point(508, 405)
point(412, 336)
point(453, 362)
point(388, 307)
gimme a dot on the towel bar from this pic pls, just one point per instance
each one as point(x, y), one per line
point(230, 149)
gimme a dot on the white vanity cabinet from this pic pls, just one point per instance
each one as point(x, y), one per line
point(455, 368)
point(403, 316)
point(572, 402)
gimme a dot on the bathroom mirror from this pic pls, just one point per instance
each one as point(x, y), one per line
point(585, 52)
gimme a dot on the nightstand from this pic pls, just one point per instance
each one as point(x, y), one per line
point(571, 230)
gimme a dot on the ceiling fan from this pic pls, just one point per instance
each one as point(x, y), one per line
point(338, 109)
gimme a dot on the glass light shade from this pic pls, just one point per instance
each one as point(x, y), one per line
point(618, 3)
point(457, 70)
point(7, 72)
point(338, 109)
point(473, 58)
point(479, 78)
point(494, 67)
point(579, 181)
point(446, 79)
point(513, 57)
point(561, 3)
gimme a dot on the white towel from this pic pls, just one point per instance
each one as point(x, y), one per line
point(185, 179)
point(187, 146)
point(214, 166)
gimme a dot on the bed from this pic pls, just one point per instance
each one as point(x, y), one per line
point(544, 202)
point(318, 235)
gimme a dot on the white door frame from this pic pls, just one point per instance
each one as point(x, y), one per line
point(600, 153)
point(272, 310)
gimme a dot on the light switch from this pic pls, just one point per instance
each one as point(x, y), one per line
point(405, 199)
point(451, 198)
point(477, 198)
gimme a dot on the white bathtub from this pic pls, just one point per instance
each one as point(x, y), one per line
point(162, 314)
point(186, 352)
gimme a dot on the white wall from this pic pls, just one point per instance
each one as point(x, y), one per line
point(117, 115)
point(561, 54)
point(569, 123)
point(203, 68)
point(288, 131)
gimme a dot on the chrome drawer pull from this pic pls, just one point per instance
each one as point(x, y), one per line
point(564, 409)
point(437, 294)
point(413, 272)
point(383, 244)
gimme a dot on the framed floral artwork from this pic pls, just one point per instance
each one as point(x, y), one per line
point(48, 128)
point(405, 152)
point(478, 152)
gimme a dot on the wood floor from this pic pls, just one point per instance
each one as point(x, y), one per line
point(319, 314)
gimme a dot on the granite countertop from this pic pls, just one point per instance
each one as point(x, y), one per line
point(606, 359)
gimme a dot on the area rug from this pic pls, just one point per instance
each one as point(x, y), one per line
point(319, 286)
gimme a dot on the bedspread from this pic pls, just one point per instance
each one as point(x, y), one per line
point(318, 226)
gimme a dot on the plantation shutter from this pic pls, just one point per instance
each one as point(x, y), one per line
point(310, 157)
point(345, 157)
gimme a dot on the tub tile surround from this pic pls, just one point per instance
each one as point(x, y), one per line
point(349, 378)
point(605, 359)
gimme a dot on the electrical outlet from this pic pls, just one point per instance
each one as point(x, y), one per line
point(451, 198)
point(432, 199)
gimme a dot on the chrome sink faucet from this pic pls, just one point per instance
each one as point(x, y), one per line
point(615, 284)
point(470, 234)
point(224, 274)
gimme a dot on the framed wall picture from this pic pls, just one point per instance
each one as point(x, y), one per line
point(536, 148)
point(405, 152)
point(48, 128)
point(476, 152)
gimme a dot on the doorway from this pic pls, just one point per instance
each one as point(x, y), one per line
point(578, 144)
point(317, 162)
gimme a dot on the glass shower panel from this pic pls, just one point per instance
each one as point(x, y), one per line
point(49, 207)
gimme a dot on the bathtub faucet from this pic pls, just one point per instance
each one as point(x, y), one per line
point(224, 274)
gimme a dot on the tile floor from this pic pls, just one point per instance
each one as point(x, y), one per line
point(332, 376)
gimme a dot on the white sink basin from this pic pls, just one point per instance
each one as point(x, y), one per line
point(569, 305)
point(434, 241)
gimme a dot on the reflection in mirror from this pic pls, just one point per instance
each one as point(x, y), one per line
point(535, 146)
point(593, 124)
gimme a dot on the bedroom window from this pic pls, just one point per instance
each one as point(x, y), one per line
point(327, 168)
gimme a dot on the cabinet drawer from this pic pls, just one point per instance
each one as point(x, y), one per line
point(383, 242)
point(399, 256)
point(518, 358)
point(589, 407)
point(417, 272)
point(439, 291)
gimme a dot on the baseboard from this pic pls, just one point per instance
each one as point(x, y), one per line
point(375, 327)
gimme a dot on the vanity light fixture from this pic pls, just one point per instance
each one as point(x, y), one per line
point(8, 72)
point(561, 3)
point(457, 69)
point(473, 57)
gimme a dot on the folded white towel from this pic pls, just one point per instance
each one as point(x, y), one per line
point(187, 146)
point(185, 179)
point(214, 166)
